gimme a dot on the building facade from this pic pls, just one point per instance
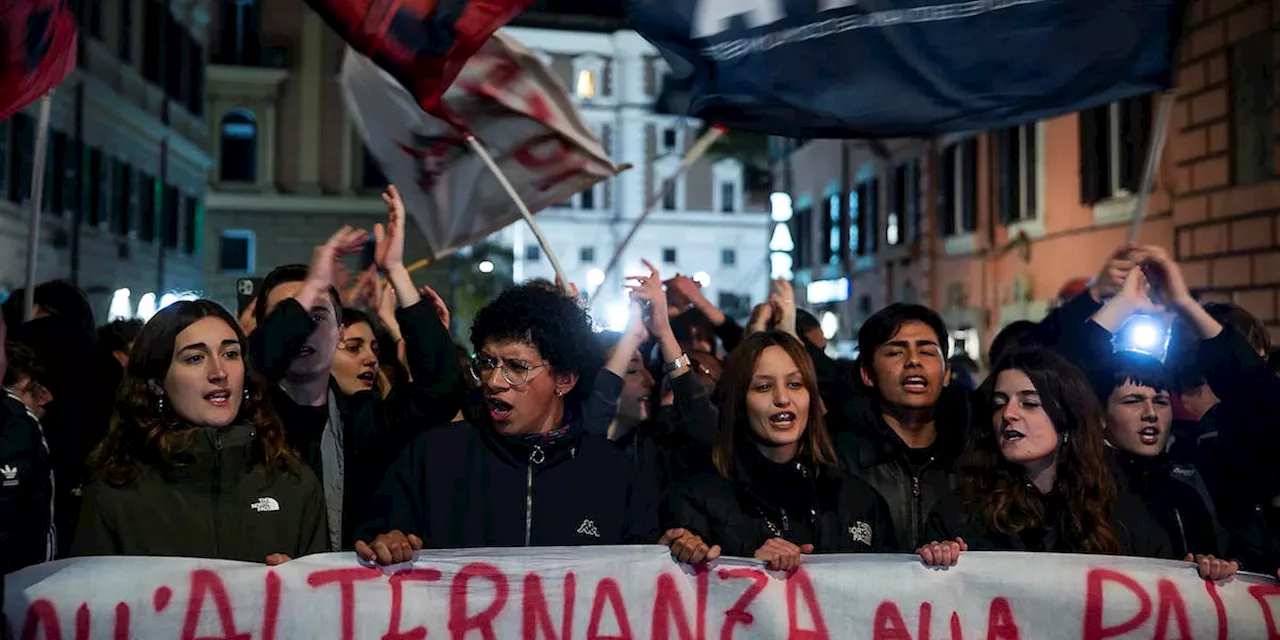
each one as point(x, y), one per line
point(126, 160)
point(709, 226)
point(987, 227)
point(289, 166)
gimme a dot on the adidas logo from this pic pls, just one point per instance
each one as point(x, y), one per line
point(265, 504)
point(8, 476)
point(588, 528)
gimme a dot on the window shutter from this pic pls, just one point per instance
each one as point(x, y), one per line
point(1135, 132)
point(969, 205)
point(1006, 176)
point(946, 192)
point(1090, 144)
point(912, 213)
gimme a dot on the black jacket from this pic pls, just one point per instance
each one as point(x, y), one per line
point(26, 489)
point(828, 508)
point(221, 502)
point(1177, 498)
point(374, 430)
point(465, 486)
point(1140, 535)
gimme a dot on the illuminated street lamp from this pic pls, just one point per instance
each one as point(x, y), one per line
point(485, 266)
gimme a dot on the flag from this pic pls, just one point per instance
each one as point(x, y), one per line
point(509, 101)
point(893, 68)
point(424, 44)
point(37, 50)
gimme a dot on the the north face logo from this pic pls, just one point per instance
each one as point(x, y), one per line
point(588, 528)
point(265, 504)
point(860, 532)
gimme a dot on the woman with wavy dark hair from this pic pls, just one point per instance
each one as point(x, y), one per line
point(195, 463)
point(1036, 479)
point(777, 492)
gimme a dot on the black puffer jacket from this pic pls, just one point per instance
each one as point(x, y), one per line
point(1140, 535)
point(464, 486)
point(828, 508)
point(221, 502)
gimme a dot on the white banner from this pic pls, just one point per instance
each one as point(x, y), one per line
point(509, 101)
point(634, 593)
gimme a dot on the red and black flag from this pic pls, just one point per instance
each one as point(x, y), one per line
point(37, 50)
point(422, 43)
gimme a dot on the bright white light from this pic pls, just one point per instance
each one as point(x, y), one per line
point(827, 291)
point(146, 306)
point(485, 266)
point(703, 278)
point(120, 307)
point(1145, 335)
point(780, 207)
point(168, 299)
point(595, 277)
point(830, 325)
point(781, 240)
point(617, 316)
point(780, 266)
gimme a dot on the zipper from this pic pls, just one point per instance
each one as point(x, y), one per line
point(1186, 544)
point(536, 457)
point(217, 486)
point(915, 507)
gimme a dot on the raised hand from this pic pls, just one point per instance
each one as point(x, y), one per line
point(1110, 279)
point(321, 271)
point(762, 318)
point(1164, 276)
point(389, 251)
point(442, 309)
point(784, 303)
point(389, 548)
point(648, 289)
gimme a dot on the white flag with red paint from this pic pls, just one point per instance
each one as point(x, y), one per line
point(510, 102)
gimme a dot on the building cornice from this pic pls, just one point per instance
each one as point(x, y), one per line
point(227, 201)
point(145, 125)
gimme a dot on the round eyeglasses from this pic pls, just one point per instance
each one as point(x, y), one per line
point(515, 373)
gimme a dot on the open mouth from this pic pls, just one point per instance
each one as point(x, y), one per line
point(1149, 436)
point(915, 384)
point(1010, 436)
point(366, 379)
point(219, 398)
point(782, 420)
point(499, 411)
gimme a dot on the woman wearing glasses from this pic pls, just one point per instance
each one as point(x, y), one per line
point(525, 473)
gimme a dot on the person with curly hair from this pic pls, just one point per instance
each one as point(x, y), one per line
point(1036, 478)
point(523, 471)
point(195, 463)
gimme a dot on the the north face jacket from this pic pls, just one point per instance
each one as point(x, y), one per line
point(828, 508)
point(221, 502)
point(466, 485)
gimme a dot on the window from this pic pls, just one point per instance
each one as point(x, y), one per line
point(585, 86)
point(903, 218)
point(170, 206)
point(532, 252)
point(831, 231)
point(147, 208)
point(1113, 148)
point(867, 200)
point(801, 225)
point(99, 175)
point(236, 252)
point(1017, 171)
point(178, 52)
point(958, 191)
point(22, 144)
point(669, 199)
point(190, 224)
point(153, 46)
point(1252, 123)
point(670, 140)
point(55, 190)
point(728, 197)
point(728, 257)
point(91, 17)
point(124, 45)
point(587, 199)
point(195, 74)
point(121, 196)
point(238, 42)
point(71, 185)
point(587, 255)
point(669, 255)
point(371, 176)
point(239, 147)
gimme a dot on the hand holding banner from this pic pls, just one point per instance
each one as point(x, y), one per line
point(509, 101)
point(637, 592)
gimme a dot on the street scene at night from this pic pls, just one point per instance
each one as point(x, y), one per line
point(639, 318)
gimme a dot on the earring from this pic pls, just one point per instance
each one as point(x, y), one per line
point(160, 404)
point(246, 394)
point(559, 393)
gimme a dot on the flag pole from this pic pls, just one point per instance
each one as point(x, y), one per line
point(37, 198)
point(1159, 134)
point(521, 206)
point(695, 153)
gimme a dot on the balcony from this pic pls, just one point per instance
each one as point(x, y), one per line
point(249, 67)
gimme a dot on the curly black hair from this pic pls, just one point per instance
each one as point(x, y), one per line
point(551, 323)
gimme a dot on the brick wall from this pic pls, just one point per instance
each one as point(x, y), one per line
point(1227, 234)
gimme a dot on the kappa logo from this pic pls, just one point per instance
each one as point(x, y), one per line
point(265, 504)
point(588, 528)
point(860, 532)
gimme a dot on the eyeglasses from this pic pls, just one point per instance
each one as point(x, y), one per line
point(515, 373)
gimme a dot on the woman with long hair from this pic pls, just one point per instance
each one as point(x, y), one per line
point(777, 492)
point(195, 462)
point(1035, 479)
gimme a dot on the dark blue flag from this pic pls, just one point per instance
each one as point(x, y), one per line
point(892, 68)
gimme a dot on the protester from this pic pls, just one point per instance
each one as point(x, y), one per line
point(196, 463)
point(355, 365)
point(27, 533)
point(116, 337)
point(349, 440)
point(1035, 479)
point(777, 492)
point(525, 473)
point(23, 379)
